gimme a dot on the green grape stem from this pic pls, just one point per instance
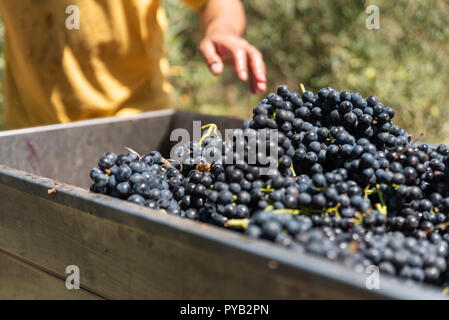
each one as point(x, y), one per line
point(367, 191)
point(291, 211)
point(239, 223)
point(211, 128)
point(293, 170)
point(382, 206)
point(268, 189)
point(334, 210)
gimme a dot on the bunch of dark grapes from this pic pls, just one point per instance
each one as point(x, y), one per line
point(349, 185)
point(143, 180)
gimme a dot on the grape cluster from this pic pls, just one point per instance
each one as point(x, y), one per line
point(143, 180)
point(349, 185)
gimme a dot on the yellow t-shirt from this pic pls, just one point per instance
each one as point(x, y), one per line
point(112, 65)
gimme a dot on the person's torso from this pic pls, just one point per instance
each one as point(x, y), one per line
point(57, 72)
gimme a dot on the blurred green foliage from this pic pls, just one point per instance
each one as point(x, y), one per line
point(321, 43)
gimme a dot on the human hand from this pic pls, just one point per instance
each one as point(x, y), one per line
point(233, 50)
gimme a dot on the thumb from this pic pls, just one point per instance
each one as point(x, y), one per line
point(210, 55)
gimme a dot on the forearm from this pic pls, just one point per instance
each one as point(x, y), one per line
point(222, 17)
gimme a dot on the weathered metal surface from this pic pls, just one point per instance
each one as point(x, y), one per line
point(18, 280)
point(67, 152)
point(127, 251)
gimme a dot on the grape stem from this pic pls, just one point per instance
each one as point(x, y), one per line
point(334, 210)
point(132, 151)
point(293, 170)
point(367, 192)
point(168, 163)
point(211, 128)
point(268, 189)
point(240, 223)
point(382, 207)
point(291, 211)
